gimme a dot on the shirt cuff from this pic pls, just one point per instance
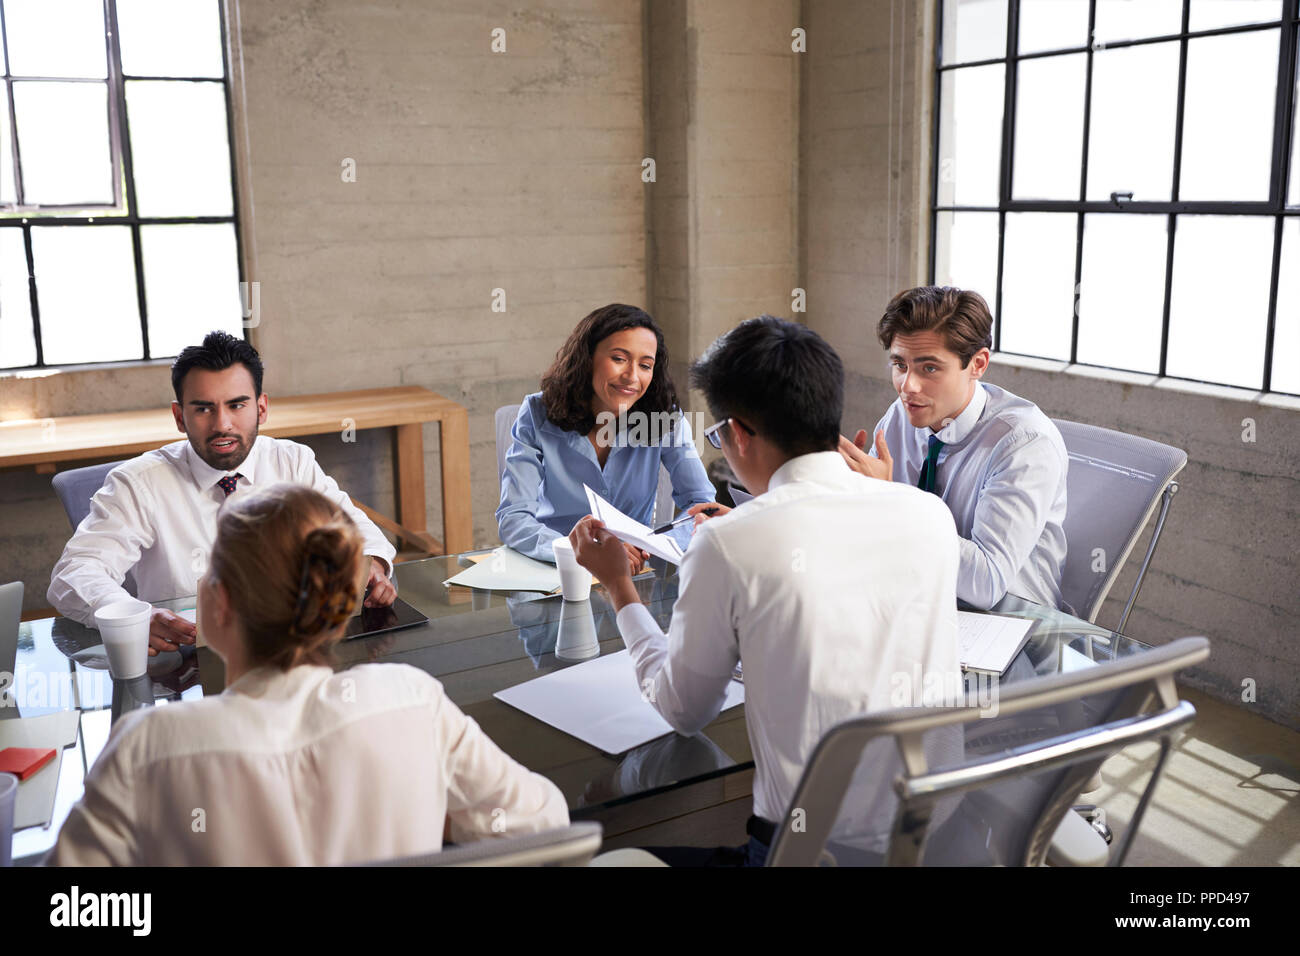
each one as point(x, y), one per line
point(637, 625)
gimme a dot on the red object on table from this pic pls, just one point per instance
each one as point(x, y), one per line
point(24, 761)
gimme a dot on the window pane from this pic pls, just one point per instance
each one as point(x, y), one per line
point(170, 37)
point(1134, 19)
point(974, 30)
point(1293, 196)
point(1053, 24)
point(1219, 310)
point(179, 148)
point(1134, 112)
point(191, 284)
point(1038, 283)
point(63, 38)
point(970, 136)
point(1208, 14)
point(1049, 128)
point(1286, 328)
point(1231, 81)
point(17, 344)
point(85, 283)
point(966, 254)
point(8, 192)
point(63, 142)
point(1122, 291)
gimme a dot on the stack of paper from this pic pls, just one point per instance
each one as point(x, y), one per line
point(35, 800)
point(507, 570)
point(632, 531)
point(599, 702)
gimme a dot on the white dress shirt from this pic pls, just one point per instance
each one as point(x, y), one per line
point(304, 767)
point(1002, 474)
point(830, 588)
point(156, 517)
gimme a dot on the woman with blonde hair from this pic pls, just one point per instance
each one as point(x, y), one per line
point(293, 763)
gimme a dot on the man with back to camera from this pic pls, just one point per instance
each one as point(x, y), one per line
point(783, 582)
point(995, 459)
point(156, 514)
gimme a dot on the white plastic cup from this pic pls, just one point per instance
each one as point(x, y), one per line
point(575, 580)
point(124, 629)
point(576, 640)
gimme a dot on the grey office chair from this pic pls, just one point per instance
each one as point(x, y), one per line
point(504, 421)
point(75, 488)
point(1115, 483)
point(573, 845)
point(1005, 800)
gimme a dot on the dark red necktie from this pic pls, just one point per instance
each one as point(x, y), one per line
point(227, 484)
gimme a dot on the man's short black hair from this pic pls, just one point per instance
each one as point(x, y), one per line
point(219, 351)
point(778, 377)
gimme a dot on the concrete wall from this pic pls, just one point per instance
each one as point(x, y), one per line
point(474, 171)
point(1227, 565)
point(723, 129)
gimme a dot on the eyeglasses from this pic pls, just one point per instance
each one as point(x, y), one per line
point(715, 439)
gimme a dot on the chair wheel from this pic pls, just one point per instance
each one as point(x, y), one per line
point(1096, 818)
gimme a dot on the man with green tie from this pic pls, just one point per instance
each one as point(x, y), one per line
point(995, 459)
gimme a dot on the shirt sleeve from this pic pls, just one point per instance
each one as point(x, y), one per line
point(521, 484)
point(690, 479)
point(488, 793)
point(106, 545)
point(101, 829)
point(1010, 515)
point(684, 673)
point(312, 475)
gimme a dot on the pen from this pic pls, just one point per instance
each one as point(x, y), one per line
point(683, 519)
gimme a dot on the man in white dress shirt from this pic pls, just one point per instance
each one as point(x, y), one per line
point(995, 459)
point(827, 585)
point(155, 515)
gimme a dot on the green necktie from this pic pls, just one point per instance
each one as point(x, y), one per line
point(926, 481)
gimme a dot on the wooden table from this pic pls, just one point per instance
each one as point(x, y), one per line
point(49, 443)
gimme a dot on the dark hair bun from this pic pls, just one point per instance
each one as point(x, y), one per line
point(329, 590)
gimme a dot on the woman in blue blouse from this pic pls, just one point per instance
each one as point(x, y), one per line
point(607, 416)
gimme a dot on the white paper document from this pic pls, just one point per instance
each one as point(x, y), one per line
point(989, 642)
point(632, 531)
point(599, 702)
point(507, 570)
point(35, 799)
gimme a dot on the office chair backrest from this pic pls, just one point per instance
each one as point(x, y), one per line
point(1022, 770)
point(75, 488)
point(573, 845)
point(1115, 483)
point(11, 612)
point(504, 421)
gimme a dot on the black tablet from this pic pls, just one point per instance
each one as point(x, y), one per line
point(379, 620)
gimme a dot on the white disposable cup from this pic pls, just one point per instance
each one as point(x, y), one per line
point(124, 629)
point(576, 640)
point(575, 580)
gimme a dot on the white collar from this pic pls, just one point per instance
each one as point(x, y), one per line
point(960, 427)
point(819, 466)
point(206, 477)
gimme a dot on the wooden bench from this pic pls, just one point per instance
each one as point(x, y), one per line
point(50, 443)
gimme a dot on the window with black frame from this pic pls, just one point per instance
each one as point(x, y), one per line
point(1119, 179)
point(119, 236)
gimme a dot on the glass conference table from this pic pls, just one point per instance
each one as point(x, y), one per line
point(477, 643)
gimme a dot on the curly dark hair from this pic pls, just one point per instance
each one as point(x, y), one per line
point(566, 386)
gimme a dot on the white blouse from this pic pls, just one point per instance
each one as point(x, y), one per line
point(302, 767)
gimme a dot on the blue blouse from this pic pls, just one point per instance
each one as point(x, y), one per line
point(546, 467)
